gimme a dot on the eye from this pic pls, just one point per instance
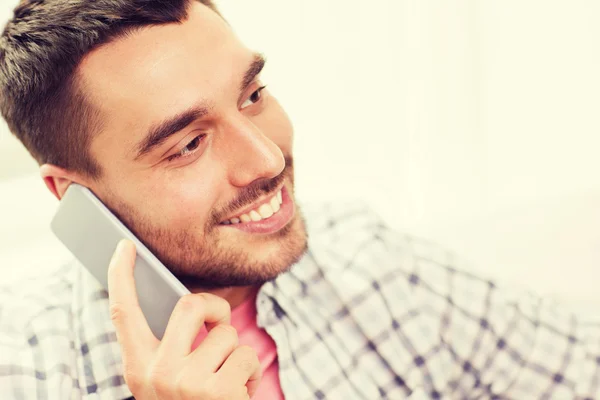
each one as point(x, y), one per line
point(189, 149)
point(254, 98)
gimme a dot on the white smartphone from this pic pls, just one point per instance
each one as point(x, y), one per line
point(91, 232)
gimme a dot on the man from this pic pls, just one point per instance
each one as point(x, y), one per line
point(160, 110)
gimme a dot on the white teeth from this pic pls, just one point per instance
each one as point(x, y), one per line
point(265, 210)
point(275, 204)
point(254, 216)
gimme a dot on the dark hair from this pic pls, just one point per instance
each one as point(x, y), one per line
point(40, 94)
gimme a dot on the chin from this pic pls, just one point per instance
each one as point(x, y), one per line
point(282, 249)
point(249, 259)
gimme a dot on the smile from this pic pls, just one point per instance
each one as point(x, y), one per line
point(265, 210)
point(269, 216)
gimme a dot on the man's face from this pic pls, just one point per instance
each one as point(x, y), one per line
point(190, 140)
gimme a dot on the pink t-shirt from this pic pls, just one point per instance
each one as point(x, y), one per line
point(243, 319)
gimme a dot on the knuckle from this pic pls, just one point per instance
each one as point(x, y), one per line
point(221, 302)
point(216, 301)
point(246, 365)
point(247, 351)
point(191, 302)
point(249, 359)
point(117, 312)
point(226, 332)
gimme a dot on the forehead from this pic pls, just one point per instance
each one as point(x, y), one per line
point(160, 70)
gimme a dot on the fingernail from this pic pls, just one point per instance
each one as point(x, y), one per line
point(120, 246)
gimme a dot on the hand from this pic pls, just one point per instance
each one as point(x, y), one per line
point(217, 369)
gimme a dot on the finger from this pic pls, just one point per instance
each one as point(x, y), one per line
point(253, 383)
point(212, 352)
point(242, 368)
point(188, 317)
point(132, 330)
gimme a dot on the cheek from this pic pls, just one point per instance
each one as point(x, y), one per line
point(183, 198)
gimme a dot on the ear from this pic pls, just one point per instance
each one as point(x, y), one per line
point(58, 179)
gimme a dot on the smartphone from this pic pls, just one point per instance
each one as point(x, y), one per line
point(91, 232)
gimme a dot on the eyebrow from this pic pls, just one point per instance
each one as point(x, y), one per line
point(256, 67)
point(159, 133)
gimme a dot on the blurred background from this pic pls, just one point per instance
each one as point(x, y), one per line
point(472, 123)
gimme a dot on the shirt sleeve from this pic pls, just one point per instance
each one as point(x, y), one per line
point(504, 343)
point(36, 349)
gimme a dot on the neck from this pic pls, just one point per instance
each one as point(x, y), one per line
point(234, 295)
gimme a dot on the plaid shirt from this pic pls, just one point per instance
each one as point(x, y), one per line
point(366, 314)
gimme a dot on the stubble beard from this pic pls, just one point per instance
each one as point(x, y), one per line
point(209, 263)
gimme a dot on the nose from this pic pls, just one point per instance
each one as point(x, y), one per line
point(251, 154)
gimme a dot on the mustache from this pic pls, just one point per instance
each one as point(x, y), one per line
point(254, 191)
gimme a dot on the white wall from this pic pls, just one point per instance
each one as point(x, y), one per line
point(474, 123)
